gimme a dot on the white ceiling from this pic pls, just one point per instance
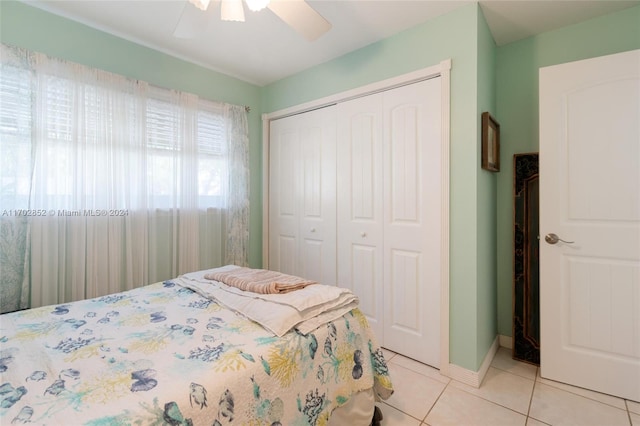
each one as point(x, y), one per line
point(263, 49)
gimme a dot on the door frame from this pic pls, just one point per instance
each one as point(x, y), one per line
point(442, 70)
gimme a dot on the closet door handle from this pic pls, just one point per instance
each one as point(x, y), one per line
point(313, 230)
point(363, 234)
point(553, 239)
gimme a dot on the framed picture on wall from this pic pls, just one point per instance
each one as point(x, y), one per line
point(490, 143)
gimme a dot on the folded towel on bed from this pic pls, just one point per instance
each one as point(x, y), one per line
point(305, 309)
point(260, 280)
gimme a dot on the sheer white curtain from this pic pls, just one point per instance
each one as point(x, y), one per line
point(15, 173)
point(130, 184)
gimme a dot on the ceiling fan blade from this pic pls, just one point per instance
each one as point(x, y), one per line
point(193, 21)
point(301, 17)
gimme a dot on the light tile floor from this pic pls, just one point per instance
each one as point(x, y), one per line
point(512, 393)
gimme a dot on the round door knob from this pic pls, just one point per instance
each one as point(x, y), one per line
point(363, 234)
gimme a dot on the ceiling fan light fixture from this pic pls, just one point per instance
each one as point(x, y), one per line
point(200, 4)
point(232, 10)
point(257, 5)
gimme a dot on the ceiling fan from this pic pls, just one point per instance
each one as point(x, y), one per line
point(298, 14)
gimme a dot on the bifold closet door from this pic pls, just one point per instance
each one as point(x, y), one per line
point(412, 218)
point(389, 214)
point(302, 195)
point(360, 205)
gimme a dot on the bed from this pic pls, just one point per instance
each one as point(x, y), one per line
point(175, 353)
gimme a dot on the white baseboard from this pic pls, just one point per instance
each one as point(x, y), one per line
point(474, 378)
point(506, 341)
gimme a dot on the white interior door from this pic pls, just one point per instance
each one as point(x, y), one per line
point(590, 195)
point(412, 218)
point(360, 205)
point(302, 195)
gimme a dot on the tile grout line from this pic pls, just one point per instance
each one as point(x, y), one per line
point(423, 375)
point(569, 389)
point(484, 398)
point(533, 390)
point(435, 402)
point(588, 398)
point(496, 403)
point(493, 402)
point(399, 410)
point(510, 372)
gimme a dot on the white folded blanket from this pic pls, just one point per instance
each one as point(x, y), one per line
point(304, 309)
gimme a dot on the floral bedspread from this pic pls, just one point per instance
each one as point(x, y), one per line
point(162, 354)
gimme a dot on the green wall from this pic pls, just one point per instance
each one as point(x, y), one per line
point(456, 36)
point(34, 29)
point(517, 101)
point(486, 199)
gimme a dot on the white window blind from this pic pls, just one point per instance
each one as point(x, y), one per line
point(81, 125)
point(15, 135)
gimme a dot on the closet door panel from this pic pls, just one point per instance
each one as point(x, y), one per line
point(405, 155)
point(360, 208)
point(284, 150)
point(287, 251)
point(312, 265)
point(318, 197)
point(405, 279)
point(412, 238)
point(363, 270)
point(286, 173)
point(363, 145)
point(302, 199)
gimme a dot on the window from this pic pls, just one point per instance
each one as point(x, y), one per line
point(159, 144)
point(15, 135)
point(76, 145)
